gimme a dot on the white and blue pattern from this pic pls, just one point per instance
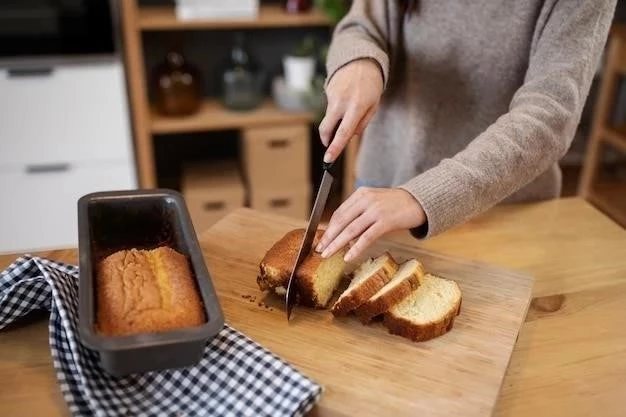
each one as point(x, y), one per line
point(235, 377)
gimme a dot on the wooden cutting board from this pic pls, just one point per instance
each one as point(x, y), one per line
point(364, 370)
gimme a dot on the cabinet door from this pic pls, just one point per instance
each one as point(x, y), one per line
point(38, 204)
point(76, 113)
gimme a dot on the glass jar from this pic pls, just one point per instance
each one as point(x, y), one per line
point(297, 6)
point(242, 80)
point(177, 86)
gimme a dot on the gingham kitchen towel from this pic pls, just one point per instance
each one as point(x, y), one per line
point(236, 376)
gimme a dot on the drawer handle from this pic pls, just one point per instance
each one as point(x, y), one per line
point(279, 143)
point(47, 168)
point(213, 205)
point(30, 72)
point(279, 202)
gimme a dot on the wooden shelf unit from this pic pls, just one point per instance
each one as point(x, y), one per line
point(616, 138)
point(138, 19)
point(604, 196)
point(213, 116)
point(270, 16)
point(610, 197)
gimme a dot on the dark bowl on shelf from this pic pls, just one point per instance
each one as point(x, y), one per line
point(117, 220)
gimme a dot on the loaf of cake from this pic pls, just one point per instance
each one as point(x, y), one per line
point(146, 291)
point(316, 279)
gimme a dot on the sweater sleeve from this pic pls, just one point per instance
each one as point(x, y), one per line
point(362, 33)
point(537, 130)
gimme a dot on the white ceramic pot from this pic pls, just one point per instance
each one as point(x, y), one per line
point(299, 72)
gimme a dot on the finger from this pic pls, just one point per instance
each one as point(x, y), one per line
point(366, 239)
point(342, 211)
point(340, 220)
point(333, 114)
point(345, 131)
point(365, 121)
point(352, 231)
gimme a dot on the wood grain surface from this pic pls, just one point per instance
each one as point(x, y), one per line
point(457, 374)
point(212, 115)
point(570, 358)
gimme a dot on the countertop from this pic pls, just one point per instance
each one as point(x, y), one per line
point(570, 358)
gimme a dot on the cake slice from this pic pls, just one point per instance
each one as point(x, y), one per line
point(316, 279)
point(405, 280)
point(368, 279)
point(428, 312)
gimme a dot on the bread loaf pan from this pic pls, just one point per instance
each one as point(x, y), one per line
point(116, 220)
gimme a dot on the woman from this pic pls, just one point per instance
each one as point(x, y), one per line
point(460, 105)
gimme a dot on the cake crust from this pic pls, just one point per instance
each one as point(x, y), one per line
point(399, 324)
point(146, 291)
point(355, 297)
point(380, 305)
point(421, 332)
point(276, 266)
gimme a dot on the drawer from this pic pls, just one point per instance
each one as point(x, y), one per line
point(211, 191)
point(208, 210)
point(290, 202)
point(75, 113)
point(276, 156)
point(38, 209)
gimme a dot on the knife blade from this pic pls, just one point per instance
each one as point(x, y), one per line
point(307, 241)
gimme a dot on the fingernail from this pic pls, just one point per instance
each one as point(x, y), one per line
point(318, 248)
point(325, 254)
point(327, 157)
point(348, 257)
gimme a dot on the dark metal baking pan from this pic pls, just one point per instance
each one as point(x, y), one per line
point(116, 220)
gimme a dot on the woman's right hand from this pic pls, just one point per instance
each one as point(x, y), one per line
point(353, 94)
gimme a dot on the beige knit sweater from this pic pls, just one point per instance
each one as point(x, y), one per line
point(482, 97)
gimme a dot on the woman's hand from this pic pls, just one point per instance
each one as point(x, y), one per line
point(366, 215)
point(353, 95)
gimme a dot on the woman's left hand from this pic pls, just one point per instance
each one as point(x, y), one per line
point(366, 215)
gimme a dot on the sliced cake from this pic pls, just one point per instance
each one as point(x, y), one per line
point(403, 282)
point(317, 278)
point(428, 312)
point(367, 280)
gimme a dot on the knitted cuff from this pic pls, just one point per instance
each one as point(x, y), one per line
point(352, 48)
point(437, 193)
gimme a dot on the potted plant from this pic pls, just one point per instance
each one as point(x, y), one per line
point(334, 9)
point(299, 65)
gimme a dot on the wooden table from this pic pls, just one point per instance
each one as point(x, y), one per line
point(570, 359)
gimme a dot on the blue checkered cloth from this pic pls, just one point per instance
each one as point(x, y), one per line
point(235, 377)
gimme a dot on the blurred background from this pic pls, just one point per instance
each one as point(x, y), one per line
point(219, 100)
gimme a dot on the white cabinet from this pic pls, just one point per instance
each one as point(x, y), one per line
point(38, 208)
point(63, 134)
point(77, 113)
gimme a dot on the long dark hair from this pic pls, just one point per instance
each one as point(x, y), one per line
point(408, 6)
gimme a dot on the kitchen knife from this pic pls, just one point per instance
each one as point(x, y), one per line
point(329, 174)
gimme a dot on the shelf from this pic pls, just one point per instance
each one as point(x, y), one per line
point(213, 116)
point(270, 16)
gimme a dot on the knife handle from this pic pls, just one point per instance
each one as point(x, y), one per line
point(331, 166)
